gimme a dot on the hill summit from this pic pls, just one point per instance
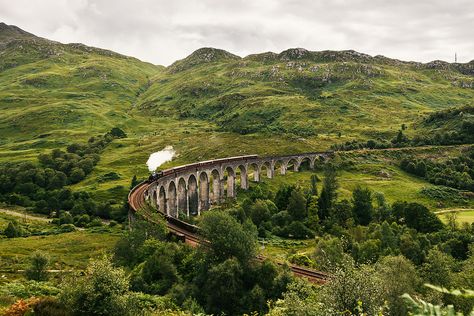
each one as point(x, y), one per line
point(12, 32)
point(202, 56)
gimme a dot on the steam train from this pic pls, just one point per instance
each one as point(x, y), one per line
point(194, 166)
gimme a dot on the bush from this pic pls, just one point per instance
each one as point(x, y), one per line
point(102, 291)
point(12, 230)
point(48, 306)
point(38, 266)
point(299, 231)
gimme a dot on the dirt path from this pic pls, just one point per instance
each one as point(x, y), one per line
point(460, 210)
point(25, 215)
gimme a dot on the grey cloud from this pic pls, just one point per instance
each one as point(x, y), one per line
point(162, 31)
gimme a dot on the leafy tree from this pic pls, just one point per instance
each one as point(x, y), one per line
point(328, 193)
point(362, 205)
point(365, 290)
point(416, 216)
point(282, 196)
point(117, 132)
point(329, 253)
point(12, 230)
point(297, 205)
point(224, 287)
point(398, 276)
point(314, 184)
point(77, 174)
point(38, 267)
point(342, 213)
point(382, 209)
point(65, 218)
point(227, 237)
point(300, 299)
point(299, 231)
point(128, 250)
point(103, 290)
point(259, 212)
point(437, 268)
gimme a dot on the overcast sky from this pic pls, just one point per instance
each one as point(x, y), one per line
point(161, 31)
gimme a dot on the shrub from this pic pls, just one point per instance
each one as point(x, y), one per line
point(12, 230)
point(38, 265)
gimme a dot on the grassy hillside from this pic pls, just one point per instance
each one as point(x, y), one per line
point(210, 104)
point(306, 94)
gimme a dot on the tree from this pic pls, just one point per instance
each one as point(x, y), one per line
point(382, 209)
point(314, 184)
point(227, 237)
point(282, 196)
point(297, 205)
point(328, 193)
point(127, 250)
point(12, 230)
point(437, 268)
point(416, 216)
point(103, 290)
point(77, 174)
point(38, 267)
point(398, 276)
point(259, 212)
point(329, 253)
point(352, 288)
point(362, 205)
point(117, 133)
point(224, 287)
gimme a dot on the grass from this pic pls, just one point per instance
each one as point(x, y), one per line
point(462, 216)
point(58, 94)
point(67, 251)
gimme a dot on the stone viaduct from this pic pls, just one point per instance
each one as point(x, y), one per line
point(192, 189)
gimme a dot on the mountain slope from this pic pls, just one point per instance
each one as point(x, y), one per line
point(211, 104)
point(308, 93)
point(53, 92)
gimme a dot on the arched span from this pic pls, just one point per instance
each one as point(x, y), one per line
point(182, 197)
point(172, 207)
point(305, 164)
point(162, 200)
point(203, 191)
point(230, 183)
point(193, 199)
point(280, 167)
point(155, 199)
point(267, 165)
point(216, 186)
point(243, 177)
point(255, 171)
point(293, 164)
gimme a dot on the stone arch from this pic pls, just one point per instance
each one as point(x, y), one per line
point(230, 182)
point(269, 168)
point(292, 164)
point(255, 171)
point(216, 186)
point(162, 207)
point(154, 201)
point(244, 184)
point(280, 167)
point(172, 196)
point(305, 164)
point(193, 199)
point(203, 191)
point(182, 197)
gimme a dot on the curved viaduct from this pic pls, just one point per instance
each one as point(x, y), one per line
point(194, 188)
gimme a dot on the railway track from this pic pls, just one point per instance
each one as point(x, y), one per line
point(136, 200)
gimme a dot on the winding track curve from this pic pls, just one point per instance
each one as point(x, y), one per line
point(136, 200)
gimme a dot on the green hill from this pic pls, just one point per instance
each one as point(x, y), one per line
point(210, 104)
point(305, 93)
